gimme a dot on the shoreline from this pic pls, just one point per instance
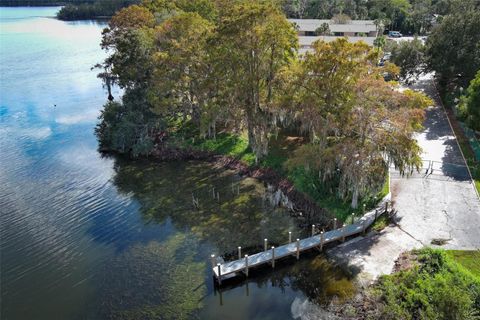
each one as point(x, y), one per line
point(294, 200)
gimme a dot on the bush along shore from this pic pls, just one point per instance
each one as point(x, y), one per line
point(426, 284)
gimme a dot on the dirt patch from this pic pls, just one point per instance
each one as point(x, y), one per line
point(405, 261)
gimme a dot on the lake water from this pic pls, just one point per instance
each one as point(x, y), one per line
point(89, 237)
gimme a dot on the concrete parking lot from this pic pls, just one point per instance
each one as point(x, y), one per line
point(434, 206)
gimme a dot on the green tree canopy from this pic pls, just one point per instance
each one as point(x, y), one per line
point(470, 103)
point(232, 64)
point(410, 57)
point(358, 122)
point(254, 41)
point(453, 48)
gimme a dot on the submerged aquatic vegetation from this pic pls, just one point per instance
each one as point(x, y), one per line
point(156, 280)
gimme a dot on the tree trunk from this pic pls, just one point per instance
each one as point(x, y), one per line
point(251, 133)
point(355, 198)
point(109, 89)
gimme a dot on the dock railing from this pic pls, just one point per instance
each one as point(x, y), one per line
point(224, 270)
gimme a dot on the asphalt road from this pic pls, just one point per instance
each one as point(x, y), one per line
point(439, 205)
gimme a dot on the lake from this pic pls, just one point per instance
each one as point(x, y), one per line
point(84, 236)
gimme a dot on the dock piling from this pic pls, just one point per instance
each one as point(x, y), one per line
point(219, 273)
point(334, 223)
point(273, 257)
point(321, 240)
point(212, 260)
point(265, 244)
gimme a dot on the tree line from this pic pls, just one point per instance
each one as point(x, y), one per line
point(16, 3)
point(452, 50)
point(407, 16)
point(92, 10)
point(233, 66)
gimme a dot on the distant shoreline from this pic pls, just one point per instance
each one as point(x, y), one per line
point(45, 3)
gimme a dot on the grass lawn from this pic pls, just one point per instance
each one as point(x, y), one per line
point(280, 148)
point(469, 259)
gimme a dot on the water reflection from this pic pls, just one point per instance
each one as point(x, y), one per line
point(170, 277)
point(237, 216)
point(86, 237)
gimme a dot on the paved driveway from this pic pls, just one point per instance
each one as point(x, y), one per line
point(441, 204)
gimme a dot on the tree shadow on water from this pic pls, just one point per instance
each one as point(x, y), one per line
point(214, 204)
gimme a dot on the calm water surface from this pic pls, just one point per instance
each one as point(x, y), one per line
point(87, 237)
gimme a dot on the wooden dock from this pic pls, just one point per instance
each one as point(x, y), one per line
point(224, 270)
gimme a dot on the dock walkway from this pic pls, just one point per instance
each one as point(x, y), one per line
point(229, 269)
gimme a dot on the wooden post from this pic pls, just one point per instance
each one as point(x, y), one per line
point(246, 265)
point(289, 236)
point(364, 207)
point(386, 206)
point(313, 230)
point(212, 259)
point(343, 233)
point(265, 242)
point(239, 253)
point(321, 240)
point(364, 225)
point(220, 296)
point(273, 257)
point(334, 223)
point(298, 249)
point(376, 213)
point(219, 274)
point(353, 217)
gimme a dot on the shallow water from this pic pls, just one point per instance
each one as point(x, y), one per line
point(89, 237)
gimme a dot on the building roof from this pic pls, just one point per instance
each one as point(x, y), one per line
point(306, 42)
point(364, 26)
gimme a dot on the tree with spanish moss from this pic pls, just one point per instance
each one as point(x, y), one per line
point(358, 123)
